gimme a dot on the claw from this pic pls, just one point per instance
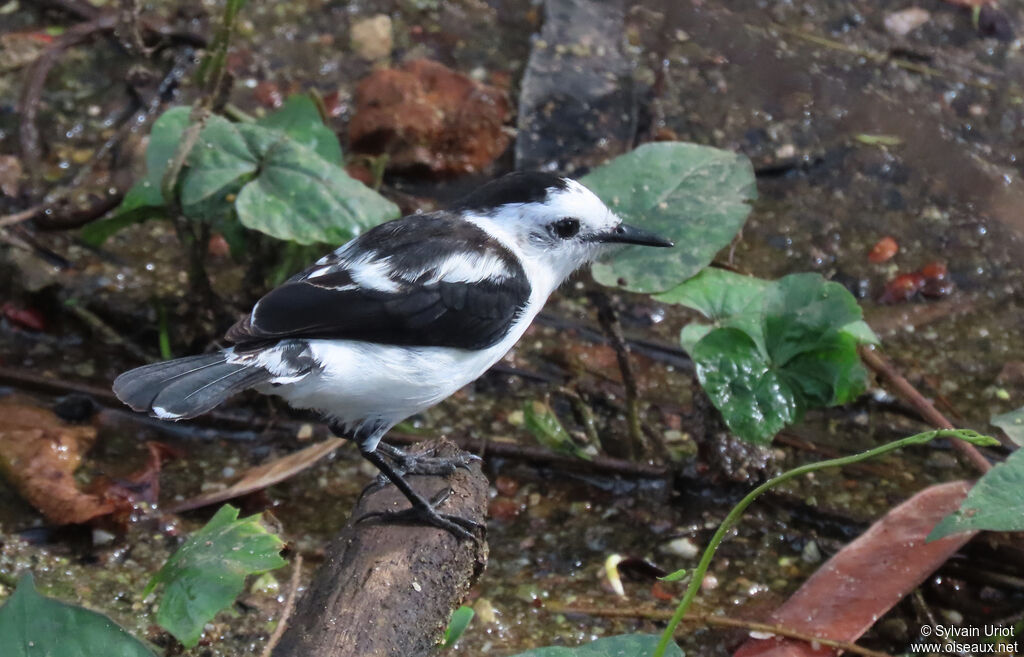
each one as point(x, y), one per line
point(422, 511)
point(458, 526)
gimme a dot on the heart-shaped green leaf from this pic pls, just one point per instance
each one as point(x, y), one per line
point(755, 400)
point(208, 571)
point(996, 503)
point(775, 348)
point(300, 119)
point(695, 195)
point(1013, 424)
point(32, 625)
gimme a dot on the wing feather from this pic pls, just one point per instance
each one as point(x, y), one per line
point(436, 281)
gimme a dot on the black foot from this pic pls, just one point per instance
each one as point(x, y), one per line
point(458, 526)
point(422, 512)
point(426, 463)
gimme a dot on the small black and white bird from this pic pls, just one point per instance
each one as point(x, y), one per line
point(399, 318)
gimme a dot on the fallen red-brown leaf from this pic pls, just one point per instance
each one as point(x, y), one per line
point(425, 115)
point(39, 455)
point(858, 585)
point(26, 318)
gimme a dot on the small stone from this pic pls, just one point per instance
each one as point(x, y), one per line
point(681, 547)
point(102, 537)
point(485, 611)
point(373, 38)
point(811, 553)
point(785, 151)
point(903, 22)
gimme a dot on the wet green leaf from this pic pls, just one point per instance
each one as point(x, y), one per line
point(461, 619)
point(144, 201)
point(623, 645)
point(726, 298)
point(755, 401)
point(300, 119)
point(1013, 424)
point(298, 196)
point(775, 348)
point(541, 421)
point(696, 195)
point(274, 177)
point(674, 577)
point(996, 503)
point(32, 625)
point(208, 571)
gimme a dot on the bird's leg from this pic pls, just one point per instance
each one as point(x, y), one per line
point(422, 511)
point(426, 464)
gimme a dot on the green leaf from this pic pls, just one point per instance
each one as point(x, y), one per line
point(1013, 424)
point(457, 625)
point(862, 333)
point(280, 187)
point(697, 196)
point(298, 196)
point(220, 162)
point(674, 577)
point(300, 119)
point(755, 401)
point(996, 502)
point(32, 625)
point(623, 645)
point(802, 309)
point(163, 143)
point(775, 348)
point(208, 571)
point(143, 201)
point(274, 182)
point(726, 298)
point(541, 421)
point(98, 232)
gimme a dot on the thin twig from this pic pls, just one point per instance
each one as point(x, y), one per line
point(909, 393)
point(609, 321)
point(32, 94)
point(111, 336)
point(717, 621)
point(131, 126)
point(286, 611)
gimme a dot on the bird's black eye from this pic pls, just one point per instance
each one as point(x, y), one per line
point(566, 228)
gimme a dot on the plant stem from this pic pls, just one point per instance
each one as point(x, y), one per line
point(211, 70)
point(880, 365)
point(718, 621)
point(737, 511)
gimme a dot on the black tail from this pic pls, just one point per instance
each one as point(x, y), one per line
point(186, 387)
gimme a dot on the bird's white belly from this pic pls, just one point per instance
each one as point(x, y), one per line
point(359, 381)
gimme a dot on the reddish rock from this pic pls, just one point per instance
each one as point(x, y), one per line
point(885, 249)
point(424, 115)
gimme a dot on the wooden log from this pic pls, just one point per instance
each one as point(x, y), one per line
point(388, 590)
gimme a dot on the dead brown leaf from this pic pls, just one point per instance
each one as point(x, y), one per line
point(39, 455)
point(866, 578)
point(425, 115)
point(264, 475)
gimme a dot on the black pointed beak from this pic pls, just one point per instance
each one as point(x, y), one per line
point(626, 234)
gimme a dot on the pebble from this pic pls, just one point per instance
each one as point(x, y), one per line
point(373, 38)
point(905, 21)
point(682, 547)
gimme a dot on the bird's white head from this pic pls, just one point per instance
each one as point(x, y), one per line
point(552, 222)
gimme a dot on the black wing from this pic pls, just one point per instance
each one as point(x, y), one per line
point(416, 296)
